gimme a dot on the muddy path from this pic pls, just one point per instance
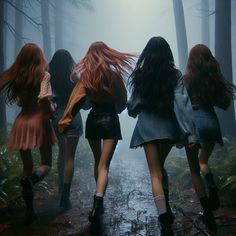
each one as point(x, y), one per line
point(129, 206)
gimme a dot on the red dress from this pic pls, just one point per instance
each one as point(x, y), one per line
point(32, 127)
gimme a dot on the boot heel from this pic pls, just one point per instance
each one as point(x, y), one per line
point(97, 210)
point(28, 196)
point(165, 221)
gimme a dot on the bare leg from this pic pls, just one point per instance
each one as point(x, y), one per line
point(204, 155)
point(192, 156)
point(97, 150)
point(70, 148)
point(102, 164)
point(61, 162)
point(108, 149)
point(207, 217)
point(45, 166)
point(156, 155)
point(71, 144)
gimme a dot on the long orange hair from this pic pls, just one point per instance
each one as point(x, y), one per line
point(101, 66)
point(25, 74)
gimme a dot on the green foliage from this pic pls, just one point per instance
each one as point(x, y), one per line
point(10, 169)
point(224, 164)
point(179, 174)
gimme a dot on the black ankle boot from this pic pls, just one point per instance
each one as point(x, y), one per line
point(165, 221)
point(28, 196)
point(214, 200)
point(65, 203)
point(168, 208)
point(207, 216)
point(36, 177)
point(97, 210)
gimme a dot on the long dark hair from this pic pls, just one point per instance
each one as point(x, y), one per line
point(153, 79)
point(204, 80)
point(60, 69)
point(25, 74)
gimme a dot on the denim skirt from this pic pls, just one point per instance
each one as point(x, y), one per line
point(75, 128)
point(103, 122)
point(152, 126)
point(208, 126)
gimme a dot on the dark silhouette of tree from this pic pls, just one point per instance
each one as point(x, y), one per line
point(3, 121)
point(58, 24)
point(18, 26)
point(205, 12)
point(181, 34)
point(59, 6)
point(16, 5)
point(18, 35)
point(223, 53)
point(46, 28)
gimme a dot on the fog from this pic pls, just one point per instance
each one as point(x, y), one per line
point(125, 25)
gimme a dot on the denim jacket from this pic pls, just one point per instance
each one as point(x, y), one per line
point(182, 106)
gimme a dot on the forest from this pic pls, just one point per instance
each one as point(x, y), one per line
point(125, 25)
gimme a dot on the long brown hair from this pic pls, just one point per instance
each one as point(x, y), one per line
point(101, 66)
point(25, 74)
point(204, 80)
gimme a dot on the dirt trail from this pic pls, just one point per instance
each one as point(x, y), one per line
point(129, 207)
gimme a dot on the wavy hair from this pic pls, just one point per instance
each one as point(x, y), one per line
point(25, 74)
point(60, 69)
point(153, 79)
point(204, 80)
point(101, 66)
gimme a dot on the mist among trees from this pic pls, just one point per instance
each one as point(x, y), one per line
point(125, 25)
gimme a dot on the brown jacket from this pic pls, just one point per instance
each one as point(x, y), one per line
point(78, 97)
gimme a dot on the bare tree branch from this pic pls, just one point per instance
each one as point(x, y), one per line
point(30, 19)
point(84, 3)
point(14, 32)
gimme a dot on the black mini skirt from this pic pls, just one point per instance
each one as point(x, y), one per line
point(103, 123)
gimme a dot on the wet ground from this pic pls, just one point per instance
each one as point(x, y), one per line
point(129, 206)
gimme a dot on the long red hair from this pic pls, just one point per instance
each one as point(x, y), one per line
point(204, 80)
point(25, 74)
point(101, 66)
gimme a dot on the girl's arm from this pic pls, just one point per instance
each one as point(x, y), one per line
point(133, 106)
point(76, 100)
point(45, 94)
point(182, 107)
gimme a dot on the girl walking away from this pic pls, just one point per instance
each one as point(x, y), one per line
point(101, 82)
point(154, 83)
point(60, 69)
point(27, 84)
point(207, 88)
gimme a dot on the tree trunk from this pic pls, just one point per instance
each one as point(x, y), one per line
point(58, 24)
point(18, 36)
point(181, 34)
point(3, 120)
point(46, 28)
point(223, 54)
point(18, 26)
point(205, 22)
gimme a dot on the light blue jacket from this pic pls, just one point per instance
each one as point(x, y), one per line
point(182, 106)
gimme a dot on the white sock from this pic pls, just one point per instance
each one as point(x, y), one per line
point(160, 202)
point(99, 194)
